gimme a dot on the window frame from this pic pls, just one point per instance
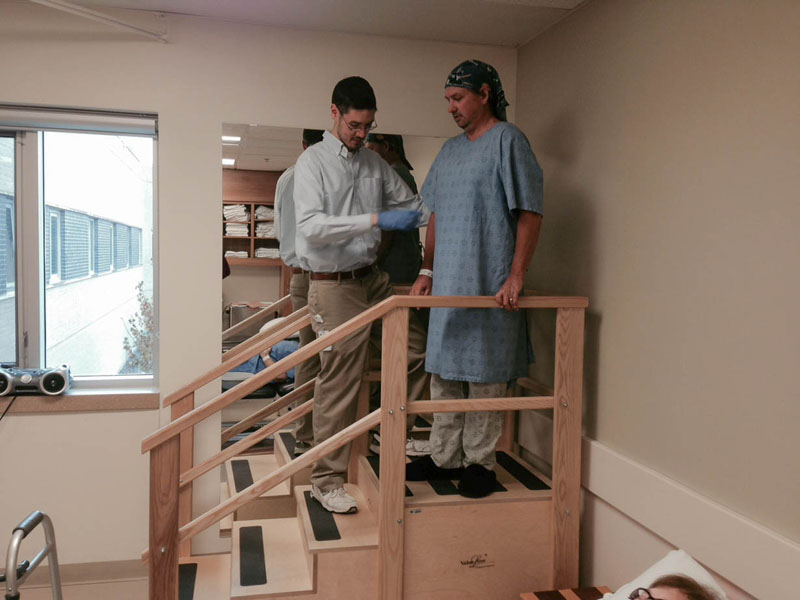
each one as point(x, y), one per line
point(30, 281)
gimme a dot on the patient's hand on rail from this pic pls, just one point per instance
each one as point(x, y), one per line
point(422, 286)
point(508, 295)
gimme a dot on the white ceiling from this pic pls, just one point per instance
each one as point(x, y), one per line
point(262, 148)
point(510, 23)
point(495, 22)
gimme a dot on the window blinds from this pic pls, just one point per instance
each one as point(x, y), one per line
point(42, 118)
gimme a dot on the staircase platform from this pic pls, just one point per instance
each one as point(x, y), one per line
point(329, 532)
point(269, 560)
point(242, 471)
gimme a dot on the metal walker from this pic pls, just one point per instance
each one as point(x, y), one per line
point(16, 574)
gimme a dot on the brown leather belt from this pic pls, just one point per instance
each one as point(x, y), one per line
point(296, 271)
point(343, 275)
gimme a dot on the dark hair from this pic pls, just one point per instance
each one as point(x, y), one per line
point(312, 136)
point(353, 92)
point(687, 585)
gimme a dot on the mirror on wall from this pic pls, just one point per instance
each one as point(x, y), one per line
point(253, 158)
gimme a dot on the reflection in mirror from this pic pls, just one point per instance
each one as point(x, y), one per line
point(253, 158)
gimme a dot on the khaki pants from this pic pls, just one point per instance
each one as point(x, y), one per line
point(461, 439)
point(338, 383)
point(306, 371)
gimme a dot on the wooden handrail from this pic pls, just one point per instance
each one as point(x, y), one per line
point(275, 307)
point(294, 322)
point(244, 444)
point(296, 394)
point(481, 404)
point(379, 310)
point(535, 386)
point(252, 492)
point(256, 381)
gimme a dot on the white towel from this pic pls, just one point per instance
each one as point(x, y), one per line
point(267, 253)
point(264, 212)
point(236, 254)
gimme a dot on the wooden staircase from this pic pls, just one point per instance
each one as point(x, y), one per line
point(409, 540)
point(456, 547)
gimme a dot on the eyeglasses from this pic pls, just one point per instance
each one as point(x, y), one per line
point(642, 594)
point(365, 128)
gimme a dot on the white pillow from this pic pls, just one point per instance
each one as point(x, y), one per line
point(676, 561)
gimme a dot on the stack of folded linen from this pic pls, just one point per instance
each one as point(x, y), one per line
point(267, 253)
point(236, 254)
point(264, 212)
point(265, 230)
point(237, 229)
point(235, 212)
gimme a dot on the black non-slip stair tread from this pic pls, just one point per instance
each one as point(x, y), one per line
point(187, 575)
point(520, 472)
point(242, 475)
point(322, 522)
point(375, 462)
point(252, 562)
point(288, 441)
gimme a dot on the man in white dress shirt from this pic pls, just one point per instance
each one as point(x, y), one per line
point(285, 224)
point(344, 195)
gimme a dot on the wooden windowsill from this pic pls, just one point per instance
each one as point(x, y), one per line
point(72, 401)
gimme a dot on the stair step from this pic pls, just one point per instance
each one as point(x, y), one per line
point(204, 577)
point(277, 502)
point(284, 450)
point(242, 471)
point(269, 560)
point(516, 480)
point(330, 532)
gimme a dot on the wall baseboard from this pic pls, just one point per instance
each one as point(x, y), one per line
point(95, 572)
point(756, 559)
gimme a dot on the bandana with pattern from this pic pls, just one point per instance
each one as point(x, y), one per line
point(472, 74)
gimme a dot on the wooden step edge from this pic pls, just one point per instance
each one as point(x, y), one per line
point(281, 449)
point(345, 531)
point(204, 577)
point(278, 562)
point(260, 465)
point(226, 524)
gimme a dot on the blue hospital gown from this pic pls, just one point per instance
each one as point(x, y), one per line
point(474, 189)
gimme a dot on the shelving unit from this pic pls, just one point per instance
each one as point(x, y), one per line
point(250, 242)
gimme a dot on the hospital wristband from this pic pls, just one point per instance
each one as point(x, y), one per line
point(426, 272)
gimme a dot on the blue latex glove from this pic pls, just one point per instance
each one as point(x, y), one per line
point(399, 220)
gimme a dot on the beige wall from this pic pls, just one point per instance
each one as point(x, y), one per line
point(209, 73)
point(669, 136)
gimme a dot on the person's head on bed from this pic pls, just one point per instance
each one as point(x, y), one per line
point(674, 587)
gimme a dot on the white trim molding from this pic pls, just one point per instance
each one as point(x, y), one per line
point(758, 560)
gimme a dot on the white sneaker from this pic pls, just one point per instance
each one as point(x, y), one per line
point(414, 447)
point(336, 501)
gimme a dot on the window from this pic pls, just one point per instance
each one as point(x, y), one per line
point(85, 216)
point(8, 296)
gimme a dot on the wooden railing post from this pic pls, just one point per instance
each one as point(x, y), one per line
point(567, 413)
point(163, 557)
point(391, 511)
point(186, 462)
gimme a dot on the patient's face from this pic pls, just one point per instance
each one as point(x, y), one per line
point(667, 593)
